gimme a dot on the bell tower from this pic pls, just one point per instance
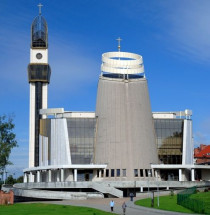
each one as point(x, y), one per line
point(39, 77)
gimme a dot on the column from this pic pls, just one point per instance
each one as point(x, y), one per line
point(192, 174)
point(58, 175)
point(180, 174)
point(38, 176)
point(49, 175)
point(25, 178)
point(156, 174)
point(99, 173)
point(31, 177)
point(75, 174)
point(141, 189)
point(62, 174)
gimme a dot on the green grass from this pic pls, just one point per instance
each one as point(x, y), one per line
point(48, 209)
point(168, 203)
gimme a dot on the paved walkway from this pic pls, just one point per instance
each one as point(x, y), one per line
point(103, 204)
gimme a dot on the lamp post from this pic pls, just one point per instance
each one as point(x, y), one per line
point(149, 174)
point(158, 203)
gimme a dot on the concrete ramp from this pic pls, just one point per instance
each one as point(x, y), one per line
point(107, 189)
point(46, 194)
point(103, 188)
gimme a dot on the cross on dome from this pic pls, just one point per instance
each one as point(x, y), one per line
point(119, 39)
point(40, 8)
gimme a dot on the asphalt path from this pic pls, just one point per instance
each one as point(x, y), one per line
point(103, 204)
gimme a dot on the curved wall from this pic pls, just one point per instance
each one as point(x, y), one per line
point(125, 137)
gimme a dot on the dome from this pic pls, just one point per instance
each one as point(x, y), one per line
point(39, 34)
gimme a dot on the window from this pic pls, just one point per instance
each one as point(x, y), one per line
point(141, 173)
point(124, 172)
point(118, 172)
point(146, 172)
point(169, 133)
point(81, 138)
point(112, 172)
point(107, 173)
point(135, 172)
point(97, 173)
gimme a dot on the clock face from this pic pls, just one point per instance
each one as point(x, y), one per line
point(39, 56)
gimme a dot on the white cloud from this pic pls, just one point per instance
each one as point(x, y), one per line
point(181, 26)
point(189, 29)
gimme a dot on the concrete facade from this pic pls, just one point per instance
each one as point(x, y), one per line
point(125, 136)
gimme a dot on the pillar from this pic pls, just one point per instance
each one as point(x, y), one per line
point(141, 189)
point(75, 174)
point(25, 178)
point(62, 174)
point(100, 173)
point(180, 174)
point(49, 175)
point(31, 177)
point(58, 175)
point(38, 176)
point(156, 174)
point(192, 174)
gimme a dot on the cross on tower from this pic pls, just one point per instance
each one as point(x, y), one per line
point(40, 8)
point(119, 39)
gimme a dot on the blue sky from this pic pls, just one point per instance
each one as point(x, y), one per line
point(172, 36)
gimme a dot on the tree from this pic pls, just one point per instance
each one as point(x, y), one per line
point(10, 180)
point(7, 140)
point(19, 179)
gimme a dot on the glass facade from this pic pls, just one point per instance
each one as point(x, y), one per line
point(81, 139)
point(169, 138)
point(39, 32)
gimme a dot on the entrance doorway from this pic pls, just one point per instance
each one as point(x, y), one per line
point(84, 175)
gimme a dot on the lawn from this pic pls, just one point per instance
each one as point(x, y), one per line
point(168, 203)
point(48, 209)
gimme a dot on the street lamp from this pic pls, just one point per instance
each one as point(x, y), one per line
point(157, 189)
point(149, 174)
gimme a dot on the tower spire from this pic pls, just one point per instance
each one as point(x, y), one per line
point(40, 8)
point(119, 39)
